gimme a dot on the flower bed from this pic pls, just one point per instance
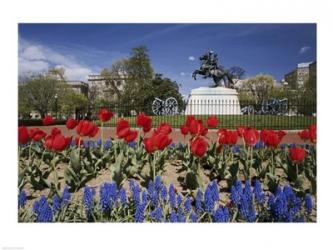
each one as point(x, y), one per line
point(283, 176)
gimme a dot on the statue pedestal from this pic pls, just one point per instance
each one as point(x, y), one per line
point(213, 101)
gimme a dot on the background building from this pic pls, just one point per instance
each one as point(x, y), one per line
point(79, 87)
point(107, 86)
point(299, 76)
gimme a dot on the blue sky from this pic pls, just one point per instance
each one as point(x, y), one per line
point(83, 49)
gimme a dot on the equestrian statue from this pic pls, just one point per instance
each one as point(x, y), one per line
point(210, 68)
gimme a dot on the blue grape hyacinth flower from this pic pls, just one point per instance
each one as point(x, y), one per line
point(247, 209)
point(194, 217)
point(136, 193)
point(164, 193)
point(43, 210)
point(140, 213)
point(198, 202)
point(132, 144)
point(211, 196)
point(236, 149)
point(180, 215)
point(107, 144)
point(179, 200)
point(108, 195)
point(221, 215)
point(172, 196)
point(56, 203)
point(22, 199)
point(122, 196)
point(158, 183)
point(88, 199)
point(173, 217)
point(308, 204)
point(145, 197)
point(153, 194)
point(258, 193)
point(187, 205)
point(260, 144)
point(157, 214)
point(66, 196)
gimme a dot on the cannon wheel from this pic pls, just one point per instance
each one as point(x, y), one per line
point(171, 106)
point(157, 107)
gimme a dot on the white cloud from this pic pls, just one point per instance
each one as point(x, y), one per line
point(191, 58)
point(304, 49)
point(182, 73)
point(36, 58)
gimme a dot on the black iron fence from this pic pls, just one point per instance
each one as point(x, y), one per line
point(271, 114)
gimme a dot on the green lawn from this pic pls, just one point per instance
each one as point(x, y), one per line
point(233, 121)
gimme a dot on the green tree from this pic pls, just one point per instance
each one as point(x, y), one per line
point(259, 87)
point(70, 101)
point(138, 67)
point(138, 88)
point(38, 93)
point(24, 106)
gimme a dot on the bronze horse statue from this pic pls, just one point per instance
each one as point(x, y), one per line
point(210, 68)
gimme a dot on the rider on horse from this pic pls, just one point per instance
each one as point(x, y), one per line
point(210, 68)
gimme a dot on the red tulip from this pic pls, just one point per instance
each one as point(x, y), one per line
point(232, 137)
point(199, 147)
point(241, 130)
point(144, 121)
point(94, 131)
point(71, 123)
point(161, 141)
point(146, 129)
point(264, 134)
point(48, 120)
point(212, 121)
point(164, 128)
point(227, 137)
point(85, 128)
point(304, 134)
point(297, 154)
point(123, 129)
point(55, 131)
point(189, 119)
point(60, 142)
point(222, 136)
point(124, 132)
point(132, 135)
point(122, 124)
point(196, 128)
point(281, 133)
point(48, 141)
point(158, 141)
point(149, 145)
point(251, 137)
point(105, 115)
point(272, 138)
point(36, 134)
point(313, 127)
point(313, 133)
point(184, 130)
point(23, 135)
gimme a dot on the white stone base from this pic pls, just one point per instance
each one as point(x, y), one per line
point(213, 101)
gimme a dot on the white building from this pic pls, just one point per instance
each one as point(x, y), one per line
point(107, 85)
